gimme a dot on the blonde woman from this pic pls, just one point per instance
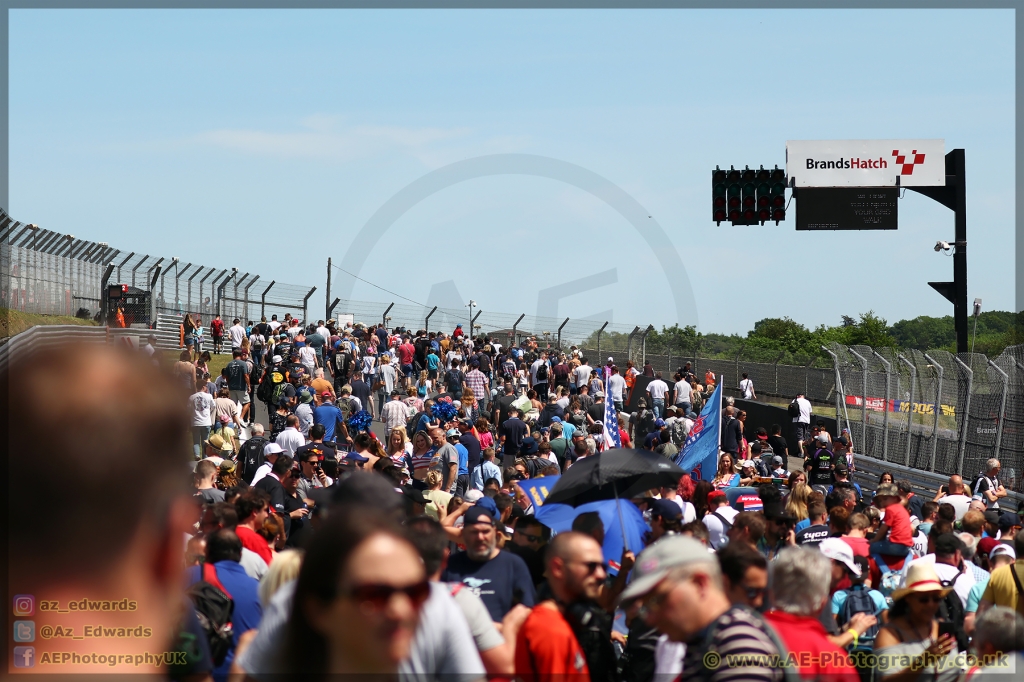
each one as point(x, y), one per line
point(469, 404)
point(422, 455)
point(439, 498)
point(797, 502)
point(284, 568)
point(424, 385)
point(725, 477)
point(399, 447)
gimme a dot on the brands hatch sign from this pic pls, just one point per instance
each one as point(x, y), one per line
point(866, 163)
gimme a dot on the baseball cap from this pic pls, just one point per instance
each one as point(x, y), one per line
point(599, 394)
point(1008, 520)
point(841, 466)
point(479, 514)
point(666, 509)
point(556, 420)
point(838, 550)
point(414, 494)
point(776, 459)
point(272, 449)
point(655, 562)
point(1002, 548)
point(948, 543)
point(227, 466)
point(992, 516)
point(283, 400)
point(659, 422)
point(987, 546)
point(453, 432)
point(472, 496)
point(821, 438)
point(487, 503)
point(887, 490)
point(842, 440)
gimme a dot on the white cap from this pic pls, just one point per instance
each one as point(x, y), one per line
point(1002, 548)
point(835, 548)
point(276, 359)
point(473, 496)
point(272, 449)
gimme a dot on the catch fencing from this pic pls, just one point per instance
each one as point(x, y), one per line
point(934, 411)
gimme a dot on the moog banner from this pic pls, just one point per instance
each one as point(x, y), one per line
point(866, 163)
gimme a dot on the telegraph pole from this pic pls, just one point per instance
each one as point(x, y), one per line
point(327, 299)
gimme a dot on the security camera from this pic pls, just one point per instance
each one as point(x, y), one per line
point(941, 246)
point(174, 259)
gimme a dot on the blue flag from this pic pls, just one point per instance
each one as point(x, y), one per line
point(537, 489)
point(699, 455)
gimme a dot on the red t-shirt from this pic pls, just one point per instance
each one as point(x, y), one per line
point(546, 648)
point(406, 352)
point(254, 542)
point(897, 519)
point(858, 545)
point(217, 327)
point(812, 651)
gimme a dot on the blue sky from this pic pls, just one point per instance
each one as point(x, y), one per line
point(265, 139)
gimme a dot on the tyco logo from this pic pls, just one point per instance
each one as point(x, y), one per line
point(907, 168)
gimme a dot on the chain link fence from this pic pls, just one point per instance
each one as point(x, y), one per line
point(934, 411)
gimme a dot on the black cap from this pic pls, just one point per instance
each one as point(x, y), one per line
point(775, 511)
point(992, 516)
point(948, 544)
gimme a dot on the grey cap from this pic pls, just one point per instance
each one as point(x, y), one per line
point(888, 490)
point(655, 562)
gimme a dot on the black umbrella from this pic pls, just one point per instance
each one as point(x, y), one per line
point(616, 473)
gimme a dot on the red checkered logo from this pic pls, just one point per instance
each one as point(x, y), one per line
point(907, 168)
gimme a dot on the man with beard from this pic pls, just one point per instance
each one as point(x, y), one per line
point(549, 643)
point(500, 579)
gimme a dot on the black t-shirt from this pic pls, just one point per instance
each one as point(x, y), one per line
point(503, 405)
point(278, 423)
point(596, 412)
point(296, 370)
point(362, 391)
point(299, 526)
point(514, 430)
point(421, 350)
point(472, 445)
point(501, 582)
point(812, 535)
point(485, 362)
point(262, 328)
point(779, 446)
point(284, 349)
point(821, 468)
point(561, 374)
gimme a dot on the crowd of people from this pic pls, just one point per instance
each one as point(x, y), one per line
point(376, 520)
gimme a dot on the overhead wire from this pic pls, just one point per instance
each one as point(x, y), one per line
point(377, 286)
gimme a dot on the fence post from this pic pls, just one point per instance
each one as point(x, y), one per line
point(103, 293)
point(599, 331)
point(383, 318)
point(123, 263)
point(1002, 405)
point(512, 339)
point(327, 294)
point(864, 400)
point(937, 407)
point(629, 343)
point(885, 406)
point(910, 409)
point(559, 332)
point(194, 275)
point(643, 344)
point(201, 282)
point(245, 314)
point(426, 323)
point(805, 374)
point(737, 361)
point(840, 390)
point(152, 299)
point(305, 304)
point(263, 299)
point(967, 415)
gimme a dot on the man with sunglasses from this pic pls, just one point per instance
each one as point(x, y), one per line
point(548, 646)
point(501, 579)
point(679, 590)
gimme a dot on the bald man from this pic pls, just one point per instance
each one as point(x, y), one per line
point(953, 493)
point(547, 646)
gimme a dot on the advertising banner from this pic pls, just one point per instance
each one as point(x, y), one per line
point(866, 163)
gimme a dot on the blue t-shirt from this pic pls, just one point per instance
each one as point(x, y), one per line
point(974, 598)
point(432, 361)
point(248, 609)
point(328, 415)
point(839, 600)
point(463, 459)
point(800, 525)
point(501, 583)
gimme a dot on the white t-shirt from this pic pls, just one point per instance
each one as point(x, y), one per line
point(964, 581)
point(716, 529)
point(616, 385)
point(961, 503)
point(533, 371)
point(689, 511)
point(805, 411)
point(290, 440)
point(582, 374)
point(274, 324)
point(684, 393)
point(237, 334)
point(657, 389)
point(202, 408)
point(747, 386)
point(307, 356)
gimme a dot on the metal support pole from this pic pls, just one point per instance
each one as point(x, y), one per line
point(776, 365)
point(629, 343)
point(967, 415)
point(152, 299)
point(195, 274)
point(937, 407)
point(643, 344)
point(123, 263)
point(245, 314)
point(103, 293)
point(384, 316)
point(220, 295)
point(1002, 406)
point(840, 390)
point(472, 322)
point(864, 400)
point(305, 302)
point(137, 266)
point(512, 339)
point(263, 299)
point(560, 332)
point(327, 294)
point(426, 323)
point(885, 407)
point(238, 283)
point(205, 277)
point(738, 354)
point(910, 409)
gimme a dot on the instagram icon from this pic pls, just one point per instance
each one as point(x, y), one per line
point(24, 605)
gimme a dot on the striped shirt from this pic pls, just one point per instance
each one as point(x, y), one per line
point(735, 633)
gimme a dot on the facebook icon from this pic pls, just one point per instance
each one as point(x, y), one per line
point(24, 656)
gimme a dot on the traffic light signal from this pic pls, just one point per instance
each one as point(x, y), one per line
point(718, 193)
point(733, 194)
point(764, 199)
point(749, 197)
point(778, 195)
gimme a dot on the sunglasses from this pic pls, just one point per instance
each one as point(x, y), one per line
point(928, 598)
point(528, 537)
point(753, 592)
point(592, 566)
point(378, 596)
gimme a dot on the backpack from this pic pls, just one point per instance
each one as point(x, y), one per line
point(951, 610)
point(726, 526)
point(214, 608)
point(542, 372)
point(794, 409)
point(251, 457)
point(345, 405)
point(410, 426)
point(267, 390)
point(508, 370)
point(592, 626)
point(859, 601)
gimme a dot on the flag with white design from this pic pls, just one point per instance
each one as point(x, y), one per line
point(611, 438)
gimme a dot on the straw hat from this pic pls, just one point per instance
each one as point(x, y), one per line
point(921, 577)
